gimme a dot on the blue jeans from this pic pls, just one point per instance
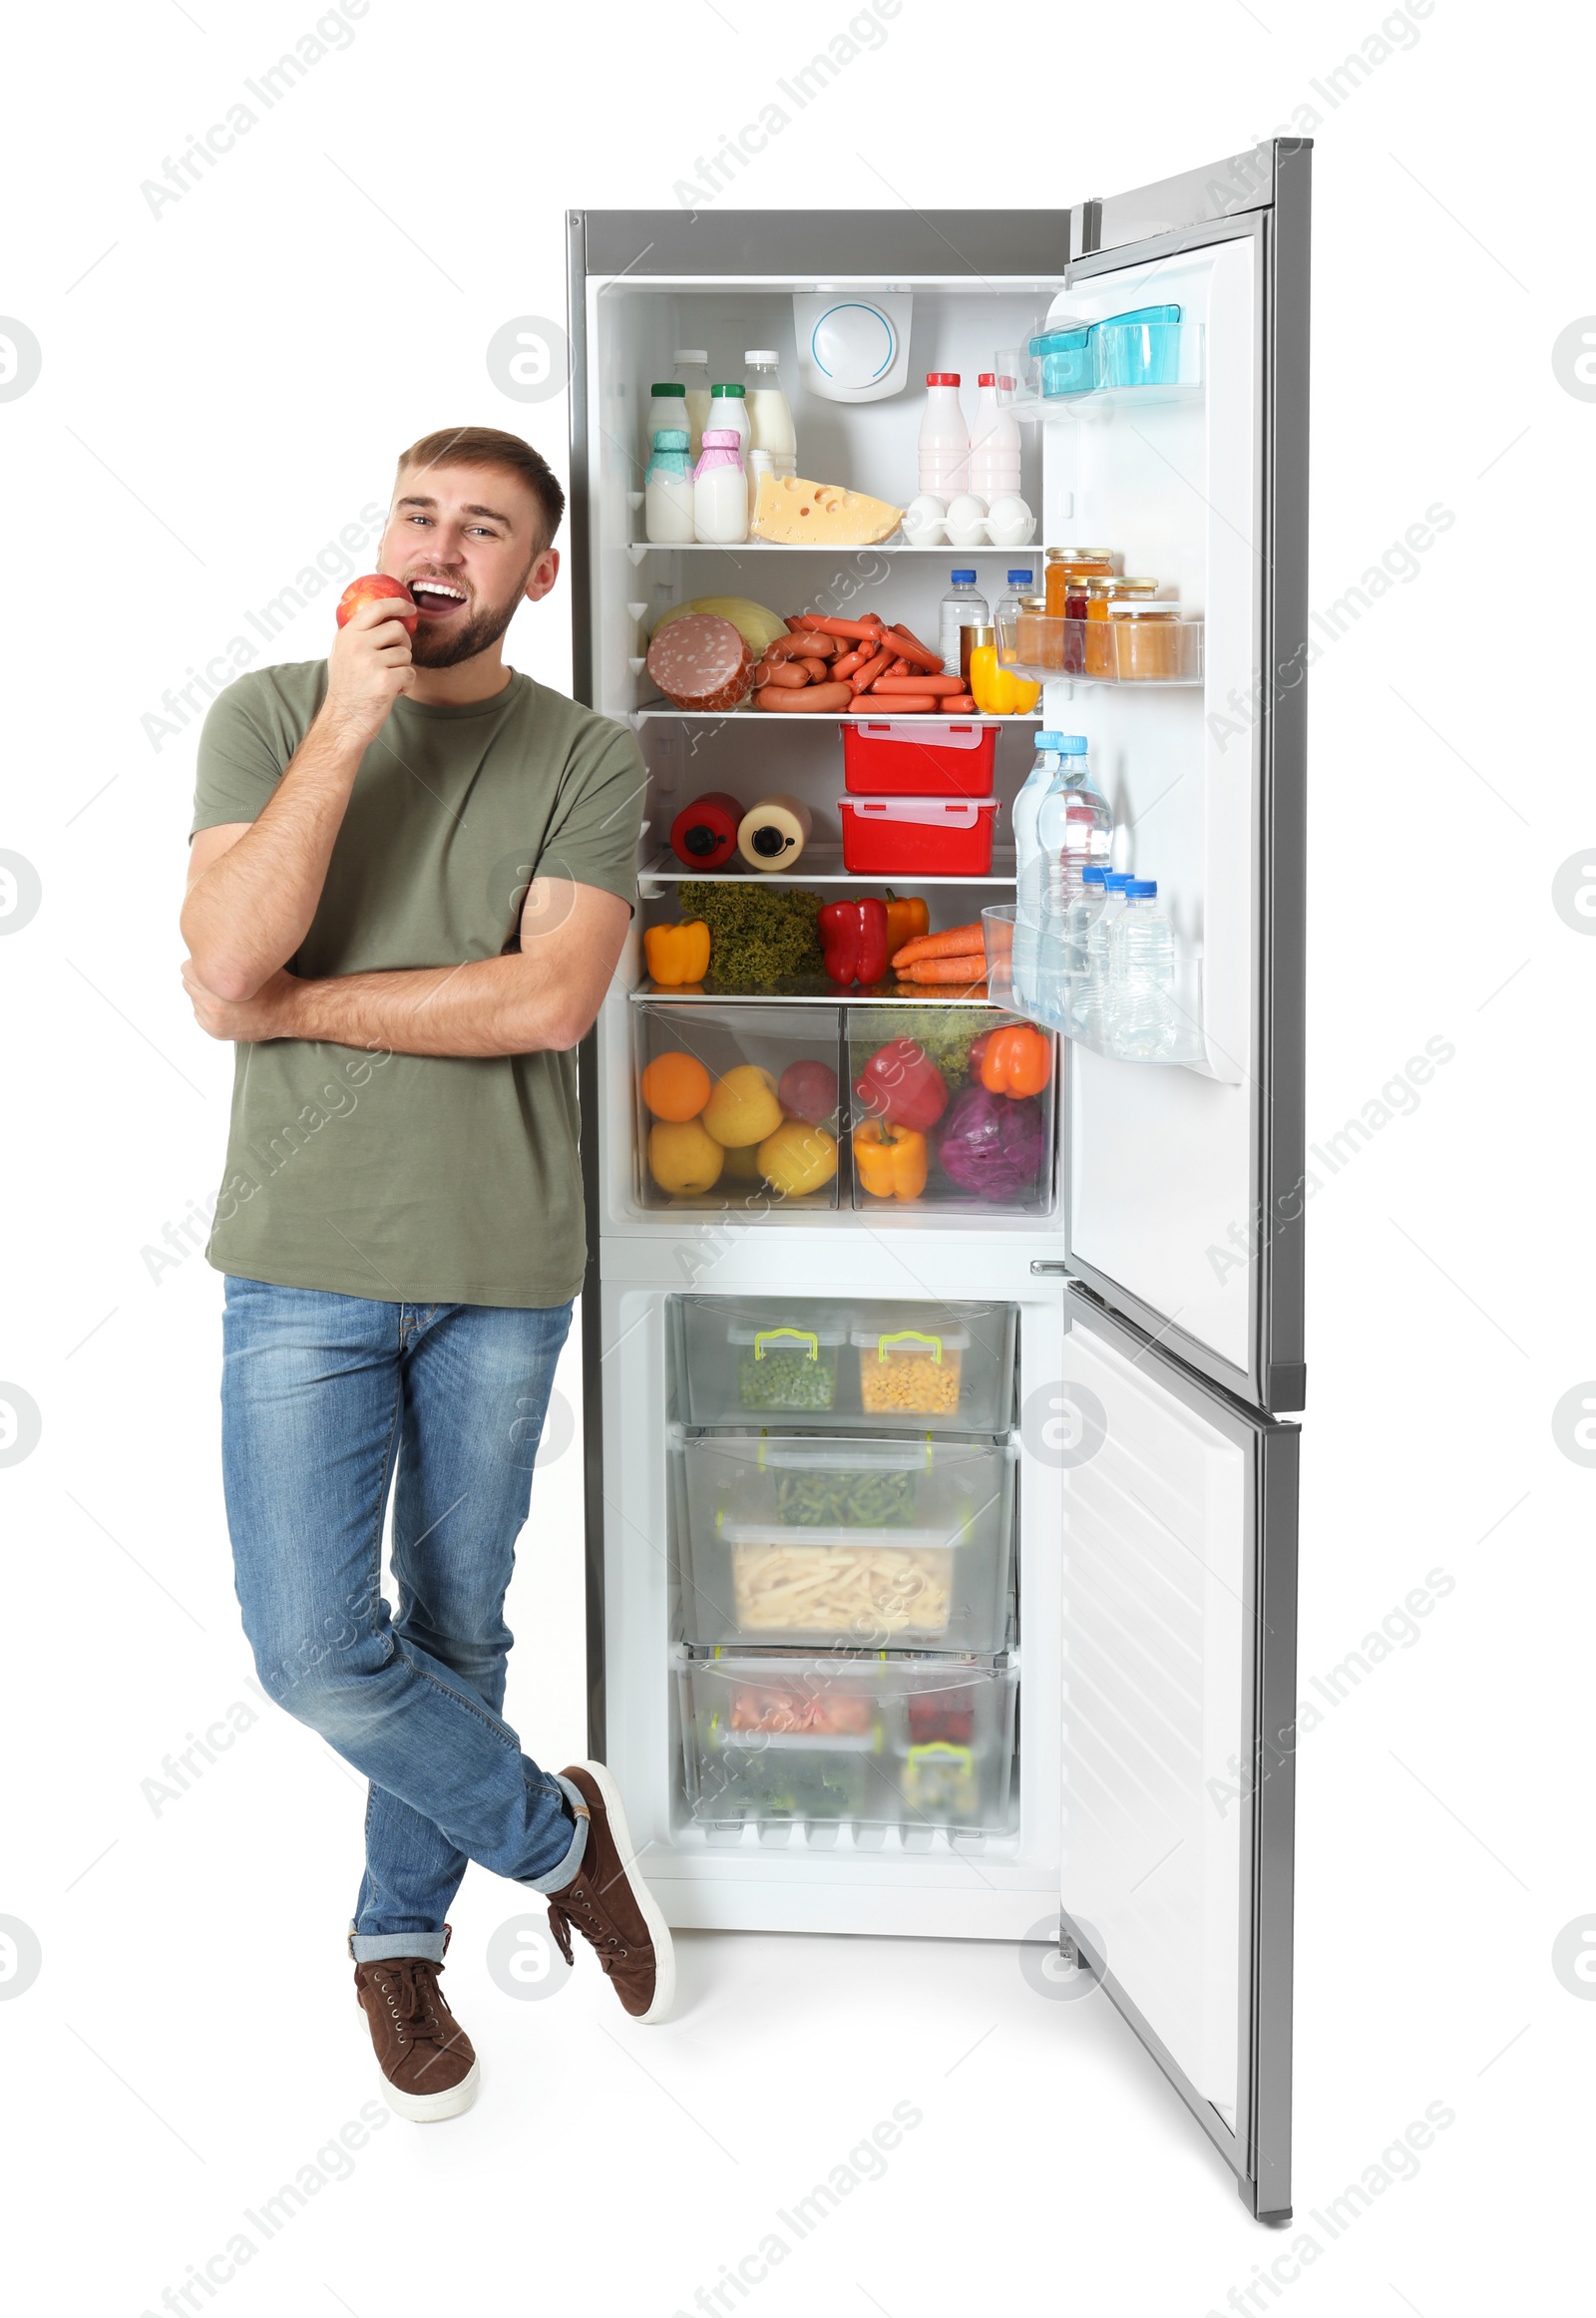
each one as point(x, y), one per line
point(322, 1396)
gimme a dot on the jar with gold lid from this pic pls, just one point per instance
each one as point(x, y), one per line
point(1150, 642)
point(1061, 564)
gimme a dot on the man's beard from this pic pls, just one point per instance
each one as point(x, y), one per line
point(446, 647)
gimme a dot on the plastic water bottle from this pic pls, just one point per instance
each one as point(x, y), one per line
point(993, 444)
point(944, 439)
point(1141, 976)
point(1029, 870)
point(1088, 1010)
point(1084, 911)
point(1078, 774)
point(1064, 828)
point(963, 607)
point(1008, 611)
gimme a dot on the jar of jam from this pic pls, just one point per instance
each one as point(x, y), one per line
point(1061, 564)
point(1150, 641)
point(1036, 643)
point(1097, 656)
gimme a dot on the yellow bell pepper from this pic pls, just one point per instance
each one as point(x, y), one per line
point(995, 691)
point(891, 1161)
point(677, 954)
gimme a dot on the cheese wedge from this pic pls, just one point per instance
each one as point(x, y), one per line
point(791, 513)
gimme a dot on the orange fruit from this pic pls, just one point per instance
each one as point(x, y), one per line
point(675, 1087)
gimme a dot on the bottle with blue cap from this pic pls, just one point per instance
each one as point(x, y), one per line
point(1007, 612)
point(1141, 1022)
point(963, 607)
point(1064, 830)
point(1088, 999)
point(1030, 872)
point(1078, 779)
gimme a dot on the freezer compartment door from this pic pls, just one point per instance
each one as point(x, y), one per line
point(1186, 1186)
point(1180, 1513)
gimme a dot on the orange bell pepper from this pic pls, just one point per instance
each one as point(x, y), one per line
point(907, 919)
point(891, 1161)
point(677, 954)
point(1017, 1060)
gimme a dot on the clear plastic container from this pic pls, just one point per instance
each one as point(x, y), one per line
point(736, 1107)
point(848, 1544)
point(984, 1153)
point(779, 1360)
point(906, 1742)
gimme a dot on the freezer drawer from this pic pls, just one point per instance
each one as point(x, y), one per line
point(865, 1365)
point(845, 1543)
point(911, 1744)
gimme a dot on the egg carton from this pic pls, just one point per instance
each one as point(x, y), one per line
point(967, 522)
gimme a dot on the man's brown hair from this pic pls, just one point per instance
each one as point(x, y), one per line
point(492, 447)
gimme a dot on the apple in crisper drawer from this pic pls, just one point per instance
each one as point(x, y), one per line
point(807, 1091)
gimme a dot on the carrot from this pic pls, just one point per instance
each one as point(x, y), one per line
point(921, 655)
point(970, 968)
point(958, 941)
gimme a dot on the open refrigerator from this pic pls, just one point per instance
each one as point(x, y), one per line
point(942, 1553)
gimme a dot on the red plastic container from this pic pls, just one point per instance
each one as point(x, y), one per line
point(918, 760)
point(935, 837)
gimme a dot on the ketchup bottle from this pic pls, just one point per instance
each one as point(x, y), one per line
point(704, 833)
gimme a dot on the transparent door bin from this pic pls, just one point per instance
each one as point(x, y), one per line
point(845, 1544)
point(790, 1361)
point(927, 1137)
point(1088, 372)
point(1102, 652)
point(736, 1107)
point(915, 1745)
point(1056, 1004)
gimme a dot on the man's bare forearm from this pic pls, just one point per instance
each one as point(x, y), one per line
point(249, 912)
point(492, 1005)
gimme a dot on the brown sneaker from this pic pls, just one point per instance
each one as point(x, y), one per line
point(429, 2070)
point(611, 1906)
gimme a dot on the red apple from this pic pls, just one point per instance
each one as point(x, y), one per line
point(807, 1091)
point(371, 589)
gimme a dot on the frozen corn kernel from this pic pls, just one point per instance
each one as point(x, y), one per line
point(909, 1384)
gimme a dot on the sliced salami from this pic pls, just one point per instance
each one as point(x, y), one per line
point(700, 661)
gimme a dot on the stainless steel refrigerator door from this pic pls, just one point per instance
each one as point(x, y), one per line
point(1179, 1507)
point(1186, 1194)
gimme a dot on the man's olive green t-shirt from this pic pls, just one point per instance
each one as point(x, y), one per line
point(413, 1178)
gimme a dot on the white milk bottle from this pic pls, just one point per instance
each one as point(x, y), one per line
point(993, 445)
point(769, 412)
point(667, 407)
point(668, 489)
point(944, 439)
point(720, 488)
point(692, 373)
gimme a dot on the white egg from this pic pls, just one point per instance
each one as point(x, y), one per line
point(967, 520)
point(1010, 521)
point(925, 522)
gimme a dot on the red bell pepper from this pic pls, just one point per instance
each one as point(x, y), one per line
point(853, 940)
point(901, 1084)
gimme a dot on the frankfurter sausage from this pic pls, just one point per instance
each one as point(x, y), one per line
point(963, 705)
point(801, 644)
point(913, 649)
point(851, 660)
point(813, 700)
point(815, 671)
point(896, 704)
point(790, 674)
point(877, 666)
point(953, 685)
point(821, 623)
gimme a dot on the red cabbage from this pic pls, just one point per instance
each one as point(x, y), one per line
point(991, 1145)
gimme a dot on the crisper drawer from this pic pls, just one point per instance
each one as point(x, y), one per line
point(848, 1544)
point(789, 1360)
point(737, 1106)
point(906, 1742)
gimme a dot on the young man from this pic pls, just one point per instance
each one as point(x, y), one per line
point(410, 879)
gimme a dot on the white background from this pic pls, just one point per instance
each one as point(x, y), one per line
point(221, 391)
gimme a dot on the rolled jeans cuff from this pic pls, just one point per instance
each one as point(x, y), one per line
point(558, 1877)
point(374, 1947)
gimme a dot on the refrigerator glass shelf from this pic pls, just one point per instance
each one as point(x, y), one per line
point(639, 547)
point(813, 989)
point(821, 864)
point(656, 713)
